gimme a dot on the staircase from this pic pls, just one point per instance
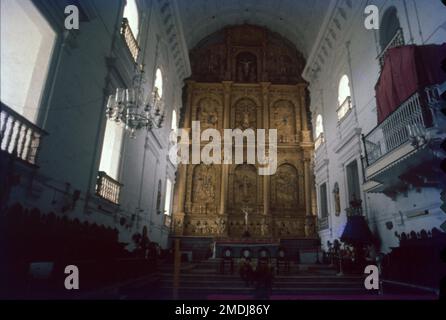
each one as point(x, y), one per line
point(202, 281)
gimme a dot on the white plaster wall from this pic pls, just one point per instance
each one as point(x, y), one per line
point(364, 48)
point(27, 42)
point(74, 117)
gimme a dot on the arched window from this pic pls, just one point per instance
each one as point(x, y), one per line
point(390, 25)
point(344, 97)
point(159, 82)
point(344, 89)
point(111, 149)
point(319, 126)
point(174, 120)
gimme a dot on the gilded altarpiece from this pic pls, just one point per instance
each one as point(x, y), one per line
point(246, 77)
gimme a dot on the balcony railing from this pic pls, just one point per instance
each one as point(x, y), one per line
point(19, 136)
point(397, 41)
point(108, 188)
point(323, 223)
point(344, 108)
point(129, 38)
point(405, 123)
point(319, 141)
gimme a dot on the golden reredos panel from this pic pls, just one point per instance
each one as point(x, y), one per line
point(283, 118)
point(246, 77)
point(245, 114)
point(203, 193)
point(246, 54)
point(209, 113)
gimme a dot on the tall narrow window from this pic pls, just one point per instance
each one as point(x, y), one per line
point(159, 83)
point(390, 25)
point(111, 149)
point(174, 120)
point(354, 191)
point(168, 200)
point(26, 51)
point(319, 132)
point(323, 200)
point(344, 97)
point(319, 126)
point(132, 15)
point(390, 33)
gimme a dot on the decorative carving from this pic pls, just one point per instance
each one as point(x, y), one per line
point(283, 119)
point(245, 114)
point(204, 183)
point(246, 67)
point(245, 186)
point(284, 186)
point(208, 113)
point(221, 226)
point(230, 83)
point(243, 53)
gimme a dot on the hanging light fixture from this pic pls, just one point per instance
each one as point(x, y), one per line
point(131, 108)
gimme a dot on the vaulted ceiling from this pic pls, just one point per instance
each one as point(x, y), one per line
point(297, 20)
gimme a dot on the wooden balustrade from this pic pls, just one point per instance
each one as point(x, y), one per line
point(18, 136)
point(129, 38)
point(108, 188)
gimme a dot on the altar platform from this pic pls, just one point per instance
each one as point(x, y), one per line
point(239, 246)
point(304, 250)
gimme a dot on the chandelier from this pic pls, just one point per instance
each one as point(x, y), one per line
point(131, 108)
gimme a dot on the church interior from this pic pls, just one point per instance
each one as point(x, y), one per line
point(97, 96)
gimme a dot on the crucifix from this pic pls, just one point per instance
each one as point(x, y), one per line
point(246, 212)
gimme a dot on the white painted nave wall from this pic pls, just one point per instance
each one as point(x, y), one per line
point(85, 67)
point(354, 53)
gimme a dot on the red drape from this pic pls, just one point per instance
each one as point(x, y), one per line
point(407, 70)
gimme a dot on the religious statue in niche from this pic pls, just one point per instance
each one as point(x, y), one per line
point(245, 185)
point(221, 226)
point(245, 114)
point(285, 182)
point(246, 67)
point(284, 121)
point(204, 182)
point(337, 200)
point(207, 113)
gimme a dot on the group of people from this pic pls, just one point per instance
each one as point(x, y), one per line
point(258, 274)
point(353, 257)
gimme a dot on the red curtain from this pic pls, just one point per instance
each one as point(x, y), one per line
point(406, 70)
